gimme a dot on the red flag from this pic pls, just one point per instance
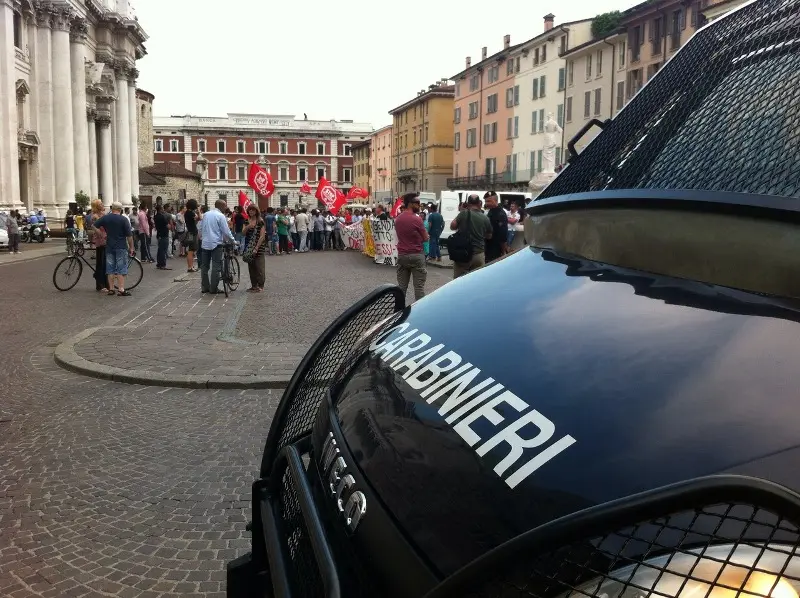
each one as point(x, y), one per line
point(244, 201)
point(396, 208)
point(305, 188)
point(332, 197)
point(358, 193)
point(260, 180)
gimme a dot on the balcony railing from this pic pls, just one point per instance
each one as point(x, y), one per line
point(511, 178)
point(407, 173)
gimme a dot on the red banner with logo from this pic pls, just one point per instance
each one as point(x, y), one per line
point(244, 201)
point(332, 197)
point(260, 180)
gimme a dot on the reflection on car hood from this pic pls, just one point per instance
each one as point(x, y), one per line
point(655, 380)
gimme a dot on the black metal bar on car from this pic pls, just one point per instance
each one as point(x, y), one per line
point(316, 532)
point(280, 583)
point(573, 154)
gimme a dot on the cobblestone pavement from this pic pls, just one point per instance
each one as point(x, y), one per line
point(305, 293)
point(254, 340)
point(111, 489)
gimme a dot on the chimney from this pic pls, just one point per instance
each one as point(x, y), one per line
point(506, 42)
point(548, 21)
point(469, 62)
point(484, 53)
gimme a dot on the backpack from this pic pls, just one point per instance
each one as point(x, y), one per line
point(459, 245)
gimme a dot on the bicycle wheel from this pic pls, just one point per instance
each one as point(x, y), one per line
point(135, 274)
point(233, 273)
point(67, 273)
point(226, 282)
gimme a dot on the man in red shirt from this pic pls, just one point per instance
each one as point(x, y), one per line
point(411, 234)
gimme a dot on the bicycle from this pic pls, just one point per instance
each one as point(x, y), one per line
point(71, 268)
point(75, 245)
point(230, 270)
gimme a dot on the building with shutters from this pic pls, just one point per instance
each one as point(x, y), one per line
point(362, 174)
point(381, 164)
point(293, 150)
point(499, 142)
point(595, 86)
point(483, 113)
point(68, 102)
point(423, 140)
point(656, 30)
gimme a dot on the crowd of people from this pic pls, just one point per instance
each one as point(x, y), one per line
point(479, 237)
point(487, 231)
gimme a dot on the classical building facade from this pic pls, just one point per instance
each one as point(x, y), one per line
point(423, 140)
point(67, 118)
point(362, 152)
point(293, 150)
point(380, 162)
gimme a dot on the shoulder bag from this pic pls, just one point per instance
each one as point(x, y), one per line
point(459, 245)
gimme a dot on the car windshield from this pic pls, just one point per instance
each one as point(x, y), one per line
point(722, 115)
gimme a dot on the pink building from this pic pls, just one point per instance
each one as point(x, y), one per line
point(381, 163)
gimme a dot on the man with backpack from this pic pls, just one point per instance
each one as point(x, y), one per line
point(467, 246)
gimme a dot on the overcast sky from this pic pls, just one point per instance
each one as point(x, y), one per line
point(345, 59)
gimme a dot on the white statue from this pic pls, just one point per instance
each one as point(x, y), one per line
point(552, 139)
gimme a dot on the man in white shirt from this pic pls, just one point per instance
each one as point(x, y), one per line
point(330, 221)
point(301, 222)
point(214, 233)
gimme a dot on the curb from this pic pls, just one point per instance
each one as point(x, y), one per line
point(66, 357)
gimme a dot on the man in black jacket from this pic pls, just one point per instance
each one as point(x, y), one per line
point(497, 246)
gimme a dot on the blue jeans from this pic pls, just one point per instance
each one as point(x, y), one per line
point(510, 237)
point(117, 261)
point(211, 259)
point(434, 252)
point(161, 256)
point(239, 241)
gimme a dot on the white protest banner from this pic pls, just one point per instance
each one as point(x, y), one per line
point(385, 239)
point(354, 236)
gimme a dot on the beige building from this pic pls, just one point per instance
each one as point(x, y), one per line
point(423, 140)
point(595, 84)
point(361, 165)
point(381, 163)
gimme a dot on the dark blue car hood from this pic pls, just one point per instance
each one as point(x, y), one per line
point(646, 380)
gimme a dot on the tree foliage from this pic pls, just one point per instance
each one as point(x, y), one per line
point(606, 23)
point(82, 200)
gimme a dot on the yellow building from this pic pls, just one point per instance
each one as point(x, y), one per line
point(423, 140)
point(361, 165)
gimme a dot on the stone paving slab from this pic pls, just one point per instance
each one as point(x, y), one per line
point(190, 340)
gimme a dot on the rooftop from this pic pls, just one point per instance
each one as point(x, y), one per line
point(592, 42)
point(442, 91)
point(165, 169)
point(261, 122)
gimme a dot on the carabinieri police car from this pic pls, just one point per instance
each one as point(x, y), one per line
point(612, 411)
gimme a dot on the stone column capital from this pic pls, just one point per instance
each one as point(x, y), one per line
point(133, 74)
point(103, 120)
point(121, 69)
point(60, 18)
point(79, 31)
point(91, 112)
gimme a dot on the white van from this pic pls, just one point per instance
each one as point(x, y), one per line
point(450, 200)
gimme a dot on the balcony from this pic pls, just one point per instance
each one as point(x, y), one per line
point(513, 179)
point(407, 174)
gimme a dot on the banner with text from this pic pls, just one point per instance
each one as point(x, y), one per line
point(384, 239)
point(354, 236)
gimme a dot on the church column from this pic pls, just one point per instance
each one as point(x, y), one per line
point(44, 104)
point(9, 150)
point(123, 130)
point(134, 133)
point(33, 107)
point(78, 80)
point(63, 129)
point(91, 114)
point(106, 159)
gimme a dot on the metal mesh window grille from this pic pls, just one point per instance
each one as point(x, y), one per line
point(722, 115)
point(321, 371)
point(695, 553)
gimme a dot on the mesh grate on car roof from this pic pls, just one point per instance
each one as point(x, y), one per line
point(722, 115)
point(722, 550)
